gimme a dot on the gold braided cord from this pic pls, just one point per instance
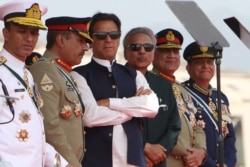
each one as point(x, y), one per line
point(169, 46)
point(203, 56)
point(27, 22)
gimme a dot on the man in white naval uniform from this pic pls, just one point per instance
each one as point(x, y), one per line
point(22, 141)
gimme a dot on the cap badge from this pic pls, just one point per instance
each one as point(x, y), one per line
point(34, 12)
point(170, 36)
point(203, 49)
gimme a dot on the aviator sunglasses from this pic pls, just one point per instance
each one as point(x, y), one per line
point(137, 47)
point(103, 35)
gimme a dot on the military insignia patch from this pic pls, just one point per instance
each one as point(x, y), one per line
point(47, 88)
point(46, 83)
point(170, 36)
point(203, 49)
point(34, 12)
point(46, 79)
point(70, 87)
point(201, 124)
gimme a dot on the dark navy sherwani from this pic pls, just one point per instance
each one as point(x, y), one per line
point(121, 82)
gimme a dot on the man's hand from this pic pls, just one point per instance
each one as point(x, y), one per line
point(149, 163)
point(142, 91)
point(195, 158)
point(139, 92)
point(103, 102)
point(155, 152)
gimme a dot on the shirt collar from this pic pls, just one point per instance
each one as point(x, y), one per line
point(103, 62)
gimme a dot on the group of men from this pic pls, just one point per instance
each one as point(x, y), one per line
point(104, 113)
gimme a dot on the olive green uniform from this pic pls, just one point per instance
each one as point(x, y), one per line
point(62, 109)
point(191, 135)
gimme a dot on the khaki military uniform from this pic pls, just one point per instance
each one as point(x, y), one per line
point(192, 134)
point(61, 107)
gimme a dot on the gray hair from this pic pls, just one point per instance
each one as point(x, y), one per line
point(137, 30)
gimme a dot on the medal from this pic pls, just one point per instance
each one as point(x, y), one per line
point(39, 100)
point(30, 91)
point(57, 160)
point(26, 80)
point(211, 105)
point(225, 130)
point(25, 116)
point(78, 110)
point(176, 92)
point(66, 112)
point(22, 134)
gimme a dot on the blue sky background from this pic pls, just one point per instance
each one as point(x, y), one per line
point(156, 15)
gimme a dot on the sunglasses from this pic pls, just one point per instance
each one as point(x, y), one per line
point(103, 35)
point(137, 47)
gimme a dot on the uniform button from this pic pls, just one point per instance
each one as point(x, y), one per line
point(109, 75)
point(217, 145)
point(84, 132)
point(113, 86)
point(85, 150)
point(110, 134)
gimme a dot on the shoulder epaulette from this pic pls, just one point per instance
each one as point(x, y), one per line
point(2, 60)
point(40, 60)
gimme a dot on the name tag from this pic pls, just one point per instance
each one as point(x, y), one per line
point(19, 90)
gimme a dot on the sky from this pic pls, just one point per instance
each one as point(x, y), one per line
point(156, 15)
